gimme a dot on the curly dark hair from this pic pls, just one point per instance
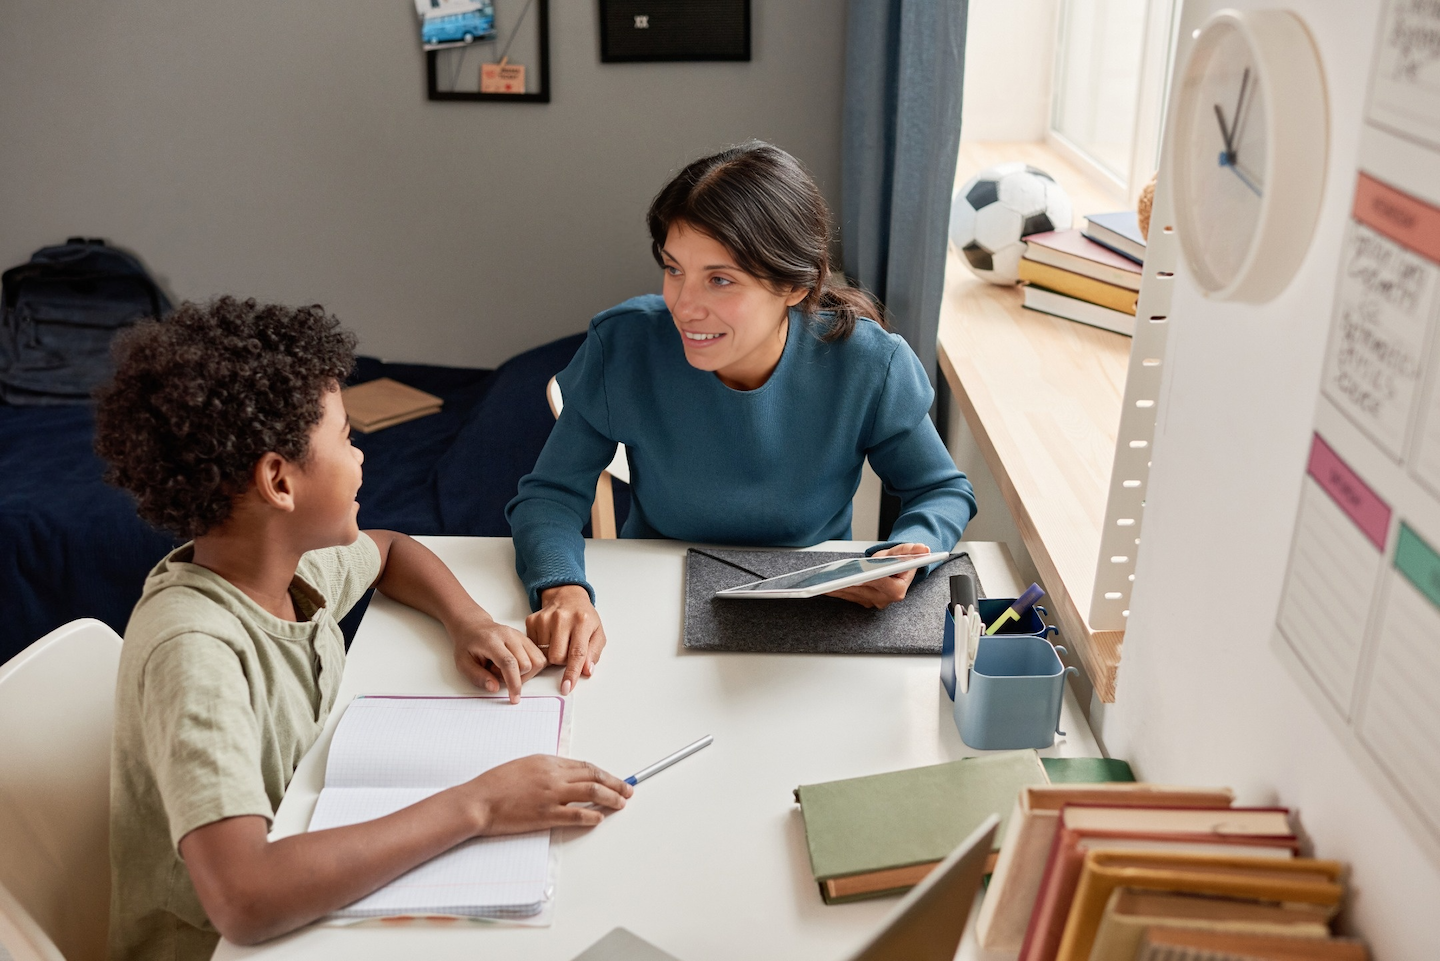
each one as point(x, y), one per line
point(199, 397)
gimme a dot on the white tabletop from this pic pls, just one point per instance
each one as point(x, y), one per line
point(708, 859)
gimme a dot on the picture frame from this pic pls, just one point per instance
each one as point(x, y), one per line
point(466, 89)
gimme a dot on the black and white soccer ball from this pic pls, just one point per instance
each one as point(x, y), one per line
point(993, 213)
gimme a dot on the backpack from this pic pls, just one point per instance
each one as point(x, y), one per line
point(58, 314)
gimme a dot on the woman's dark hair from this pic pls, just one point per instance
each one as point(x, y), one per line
point(199, 397)
point(760, 203)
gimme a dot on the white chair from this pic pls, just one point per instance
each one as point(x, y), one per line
point(57, 705)
point(602, 510)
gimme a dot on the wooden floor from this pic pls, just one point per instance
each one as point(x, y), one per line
point(1042, 397)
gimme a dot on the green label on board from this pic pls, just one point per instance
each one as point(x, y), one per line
point(1419, 563)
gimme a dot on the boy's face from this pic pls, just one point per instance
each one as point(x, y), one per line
point(329, 480)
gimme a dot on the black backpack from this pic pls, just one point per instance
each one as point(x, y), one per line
point(60, 312)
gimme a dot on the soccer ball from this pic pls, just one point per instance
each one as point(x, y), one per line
point(995, 211)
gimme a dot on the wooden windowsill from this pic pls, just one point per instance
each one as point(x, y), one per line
point(1042, 397)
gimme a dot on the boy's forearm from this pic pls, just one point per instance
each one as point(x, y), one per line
point(414, 576)
point(253, 889)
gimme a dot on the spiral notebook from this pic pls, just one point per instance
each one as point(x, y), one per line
point(390, 752)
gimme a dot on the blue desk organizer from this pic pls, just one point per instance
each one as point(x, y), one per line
point(1031, 625)
point(1016, 685)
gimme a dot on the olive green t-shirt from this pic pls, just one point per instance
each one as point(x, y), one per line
point(216, 703)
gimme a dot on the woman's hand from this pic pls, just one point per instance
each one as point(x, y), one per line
point(485, 649)
point(881, 593)
point(567, 627)
point(535, 793)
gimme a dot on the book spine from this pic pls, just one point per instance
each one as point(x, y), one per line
point(1113, 244)
point(1052, 903)
point(1080, 287)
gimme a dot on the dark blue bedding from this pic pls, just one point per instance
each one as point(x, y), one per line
point(71, 546)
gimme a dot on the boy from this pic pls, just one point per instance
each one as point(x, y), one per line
point(226, 424)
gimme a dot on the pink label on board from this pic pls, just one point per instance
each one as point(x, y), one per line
point(1408, 221)
point(1350, 493)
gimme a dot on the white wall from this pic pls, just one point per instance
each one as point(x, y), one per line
point(1202, 699)
point(285, 150)
point(1009, 55)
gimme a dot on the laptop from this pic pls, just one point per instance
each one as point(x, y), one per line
point(925, 926)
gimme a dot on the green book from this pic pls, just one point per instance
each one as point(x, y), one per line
point(878, 835)
point(1086, 770)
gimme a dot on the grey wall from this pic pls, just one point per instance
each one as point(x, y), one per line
point(286, 151)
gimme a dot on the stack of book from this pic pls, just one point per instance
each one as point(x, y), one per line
point(1091, 276)
point(883, 833)
point(1140, 871)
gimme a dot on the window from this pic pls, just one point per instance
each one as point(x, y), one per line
point(1112, 58)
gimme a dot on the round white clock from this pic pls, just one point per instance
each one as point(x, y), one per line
point(1247, 153)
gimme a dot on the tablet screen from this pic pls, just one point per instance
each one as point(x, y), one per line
point(814, 576)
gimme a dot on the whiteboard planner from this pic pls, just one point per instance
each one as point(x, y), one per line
point(1360, 609)
point(390, 752)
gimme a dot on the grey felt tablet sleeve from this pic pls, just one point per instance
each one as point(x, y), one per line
point(813, 625)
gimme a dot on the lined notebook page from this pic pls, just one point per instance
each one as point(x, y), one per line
point(390, 752)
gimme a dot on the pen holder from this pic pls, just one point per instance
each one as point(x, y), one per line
point(1016, 689)
point(1030, 625)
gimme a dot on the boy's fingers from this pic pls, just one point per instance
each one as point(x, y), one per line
point(584, 817)
point(517, 645)
point(476, 673)
point(536, 657)
point(591, 792)
point(510, 670)
point(582, 771)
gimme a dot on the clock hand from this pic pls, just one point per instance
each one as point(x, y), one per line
point(1229, 157)
point(1245, 180)
point(1239, 104)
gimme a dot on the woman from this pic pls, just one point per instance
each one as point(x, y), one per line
point(748, 399)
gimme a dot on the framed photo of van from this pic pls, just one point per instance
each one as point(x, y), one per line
point(495, 51)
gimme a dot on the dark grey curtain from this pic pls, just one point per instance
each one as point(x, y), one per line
point(904, 70)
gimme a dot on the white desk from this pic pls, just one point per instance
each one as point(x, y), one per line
point(708, 859)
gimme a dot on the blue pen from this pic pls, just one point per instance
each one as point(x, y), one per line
point(662, 764)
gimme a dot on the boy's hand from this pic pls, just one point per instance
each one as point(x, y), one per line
point(535, 793)
point(882, 593)
point(568, 627)
point(487, 653)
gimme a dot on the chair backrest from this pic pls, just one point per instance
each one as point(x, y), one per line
point(619, 467)
point(57, 704)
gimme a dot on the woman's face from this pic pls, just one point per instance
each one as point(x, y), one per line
point(730, 322)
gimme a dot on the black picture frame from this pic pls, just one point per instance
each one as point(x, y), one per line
point(542, 29)
point(693, 14)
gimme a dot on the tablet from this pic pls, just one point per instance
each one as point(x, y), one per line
point(824, 578)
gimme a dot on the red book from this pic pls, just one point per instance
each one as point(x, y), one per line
point(1071, 250)
point(1252, 832)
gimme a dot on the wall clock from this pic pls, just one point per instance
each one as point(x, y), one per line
point(1247, 153)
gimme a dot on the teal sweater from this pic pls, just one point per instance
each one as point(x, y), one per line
point(775, 466)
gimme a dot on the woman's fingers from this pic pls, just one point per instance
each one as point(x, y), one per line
point(597, 645)
point(575, 661)
point(558, 634)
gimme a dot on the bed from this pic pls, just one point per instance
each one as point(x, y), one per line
point(71, 546)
